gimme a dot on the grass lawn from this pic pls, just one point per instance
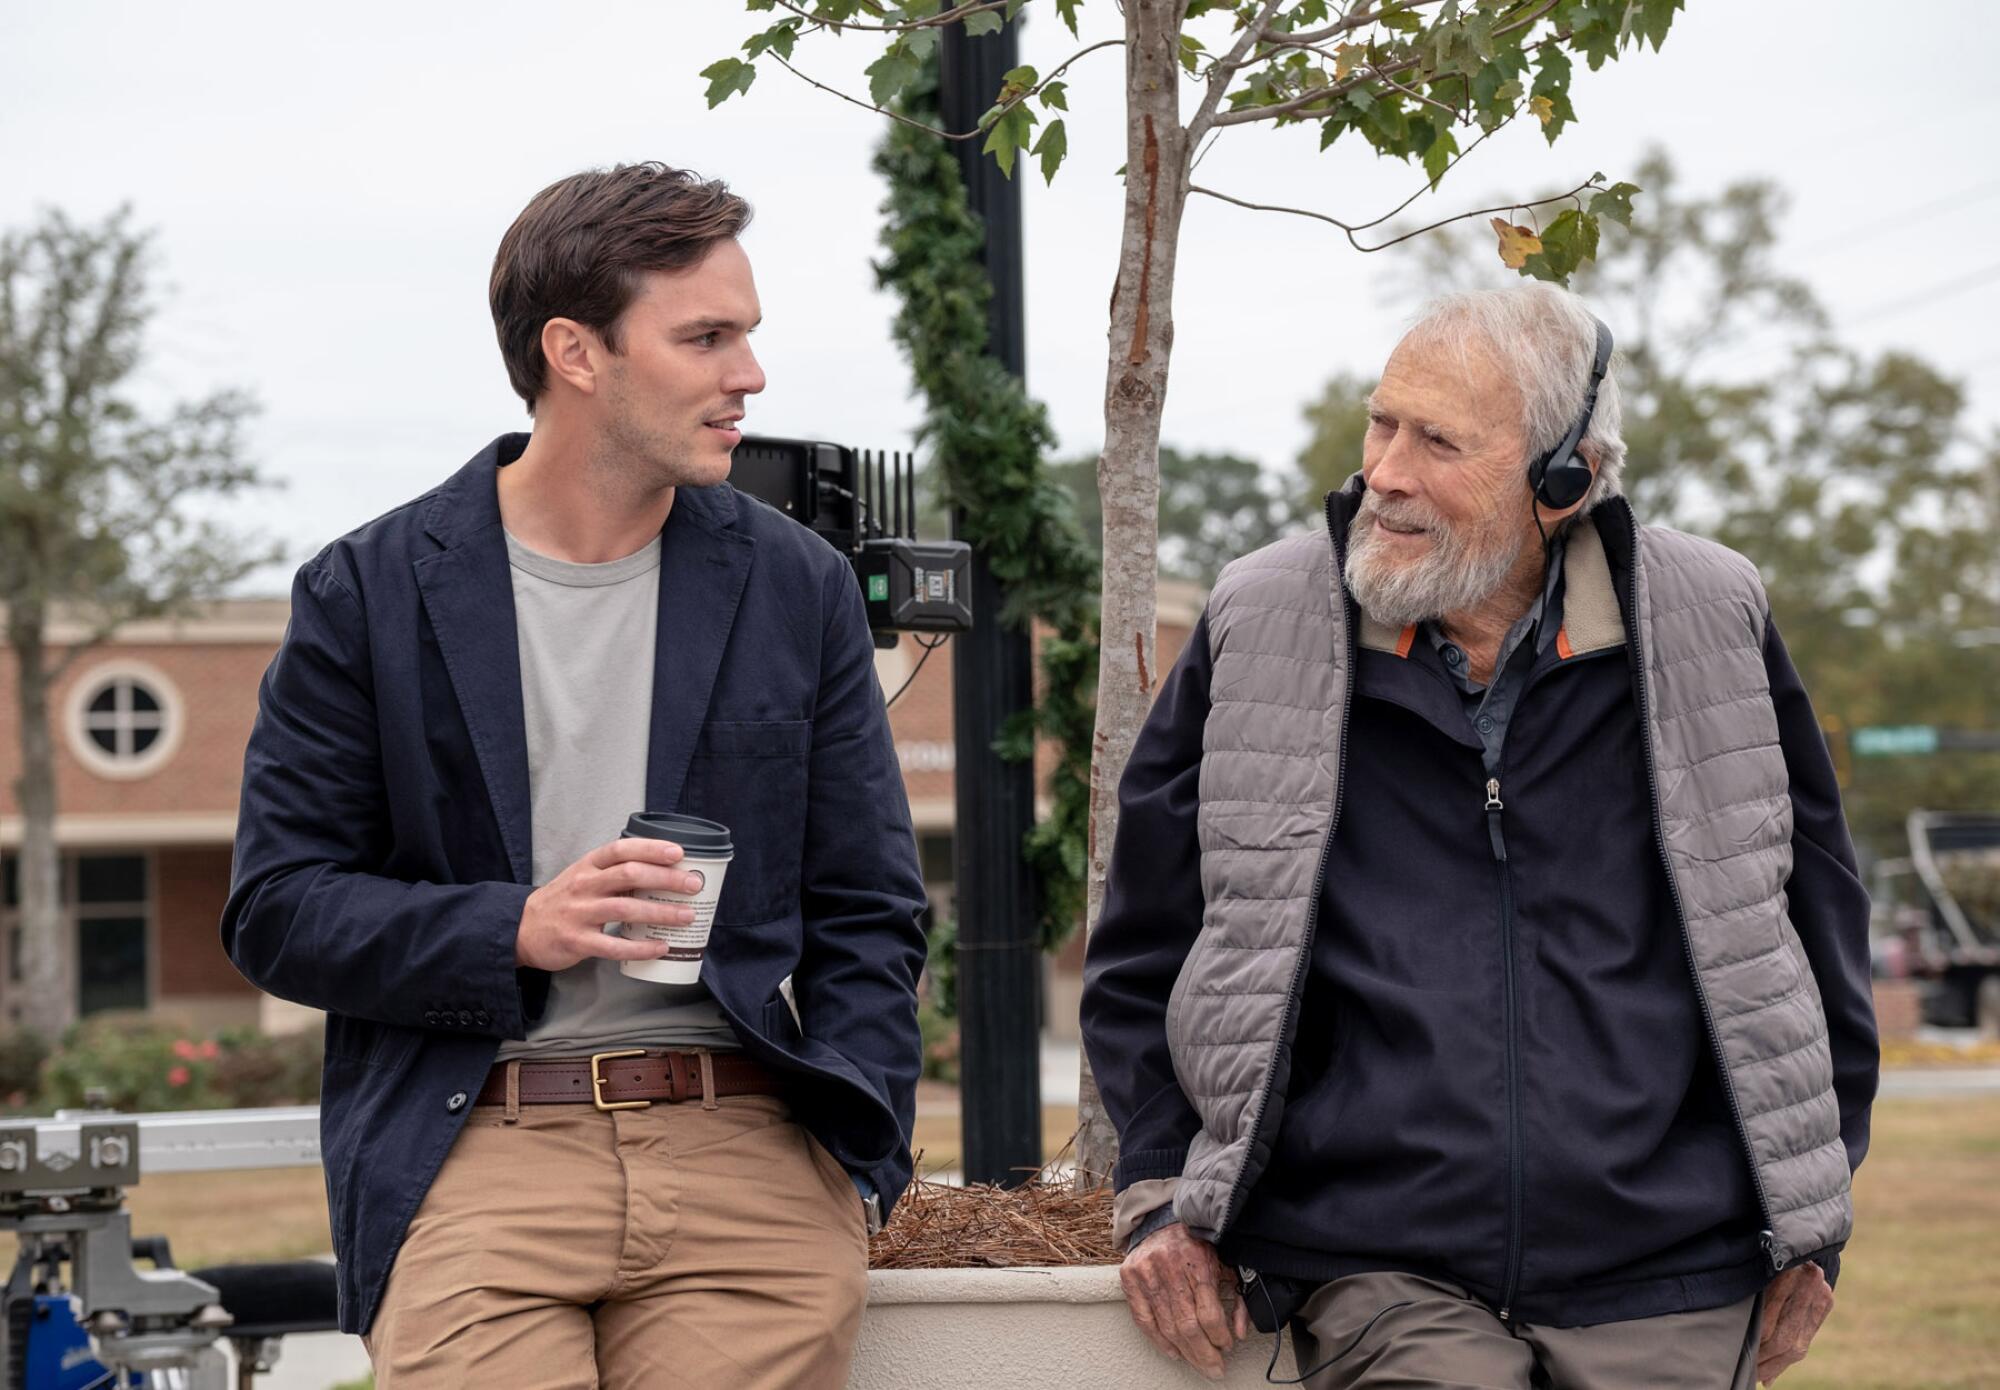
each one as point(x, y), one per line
point(1919, 1298)
point(1918, 1306)
point(221, 1218)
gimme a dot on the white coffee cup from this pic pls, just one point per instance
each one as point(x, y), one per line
point(706, 851)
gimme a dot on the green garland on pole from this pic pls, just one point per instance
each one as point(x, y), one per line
point(988, 440)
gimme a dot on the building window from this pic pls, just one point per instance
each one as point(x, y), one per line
point(10, 920)
point(113, 926)
point(108, 898)
point(124, 719)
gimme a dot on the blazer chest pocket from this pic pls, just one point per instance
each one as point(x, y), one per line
point(751, 777)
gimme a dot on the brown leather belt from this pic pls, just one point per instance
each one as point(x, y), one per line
point(630, 1080)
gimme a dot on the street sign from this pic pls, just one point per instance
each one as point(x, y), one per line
point(1890, 740)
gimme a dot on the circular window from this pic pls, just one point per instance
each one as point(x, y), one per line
point(124, 719)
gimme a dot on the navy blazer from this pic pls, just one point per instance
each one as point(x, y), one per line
point(382, 846)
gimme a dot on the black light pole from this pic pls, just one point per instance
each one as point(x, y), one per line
point(992, 678)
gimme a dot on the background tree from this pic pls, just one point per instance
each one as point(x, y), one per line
point(1404, 77)
point(1850, 478)
point(97, 519)
point(1213, 508)
point(1338, 419)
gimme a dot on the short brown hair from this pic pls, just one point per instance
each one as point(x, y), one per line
point(577, 251)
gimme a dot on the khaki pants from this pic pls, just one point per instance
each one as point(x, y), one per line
point(1445, 1337)
point(672, 1246)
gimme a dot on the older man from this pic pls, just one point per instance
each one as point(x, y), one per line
point(1484, 971)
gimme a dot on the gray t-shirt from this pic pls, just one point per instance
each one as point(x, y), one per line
point(587, 637)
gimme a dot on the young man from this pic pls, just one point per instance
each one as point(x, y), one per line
point(543, 1171)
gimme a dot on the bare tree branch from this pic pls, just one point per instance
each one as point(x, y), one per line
point(1220, 74)
point(1430, 185)
point(1346, 25)
point(926, 126)
point(1313, 98)
point(1349, 230)
point(936, 21)
point(1451, 111)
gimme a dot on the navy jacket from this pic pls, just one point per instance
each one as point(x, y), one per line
point(1617, 1186)
point(382, 849)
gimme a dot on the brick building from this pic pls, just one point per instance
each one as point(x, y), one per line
point(149, 731)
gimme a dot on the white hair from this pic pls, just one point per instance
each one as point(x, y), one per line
point(1545, 339)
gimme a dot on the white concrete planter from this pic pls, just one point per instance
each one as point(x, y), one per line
point(1033, 1328)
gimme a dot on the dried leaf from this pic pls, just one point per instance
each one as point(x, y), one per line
point(1517, 243)
point(1544, 109)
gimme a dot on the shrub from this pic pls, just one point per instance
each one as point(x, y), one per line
point(139, 1064)
point(940, 1042)
point(21, 1056)
point(255, 1069)
point(135, 1063)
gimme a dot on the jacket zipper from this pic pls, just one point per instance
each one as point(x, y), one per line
point(1766, 1238)
point(1297, 991)
point(1511, 1025)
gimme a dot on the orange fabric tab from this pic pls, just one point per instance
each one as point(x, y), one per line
point(1563, 648)
point(1404, 642)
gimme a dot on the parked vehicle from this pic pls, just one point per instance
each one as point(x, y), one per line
point(1937, 917)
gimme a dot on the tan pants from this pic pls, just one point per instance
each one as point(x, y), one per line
point(671, 1246)
point(1445, 1338)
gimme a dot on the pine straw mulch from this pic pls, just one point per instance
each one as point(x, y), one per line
point(1044, 1221)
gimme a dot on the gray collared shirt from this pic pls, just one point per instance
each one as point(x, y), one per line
point(1489, 707)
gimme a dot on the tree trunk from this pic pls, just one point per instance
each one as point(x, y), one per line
point(48, 956)
point(1128, 472)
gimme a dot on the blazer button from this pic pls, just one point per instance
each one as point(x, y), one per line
point(480, 1018)
point(456, 1103)
point(465, 1017)
point(430, 1018)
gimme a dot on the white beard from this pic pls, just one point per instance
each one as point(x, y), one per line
point(1463, 569)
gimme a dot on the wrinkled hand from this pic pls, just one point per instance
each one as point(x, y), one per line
point(1183, 1298)
point(1795, 1304)
point(563, 920)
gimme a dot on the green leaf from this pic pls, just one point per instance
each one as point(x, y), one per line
point(1567, 242)
point(1053, 145)
point(777, 39)
point(1438, 157)
point(1655, 18)
point(890, 73)
point(1055, 96)
point(1020, 79)
point(727, 78)
point(1014, 7)
point(1191, 51)
point(985, 22)
point(1066, 11)
point(1615, 203)
point(1552, 81)
point(1479, 33)
point(1009, 134)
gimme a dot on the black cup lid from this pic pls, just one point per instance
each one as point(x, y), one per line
point(691, 833)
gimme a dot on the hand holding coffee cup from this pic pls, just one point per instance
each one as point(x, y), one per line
point(563, 921)
point(706, 850)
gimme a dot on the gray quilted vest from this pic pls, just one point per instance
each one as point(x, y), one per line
point(1270, 800)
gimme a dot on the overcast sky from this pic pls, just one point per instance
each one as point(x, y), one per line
point(328, 186)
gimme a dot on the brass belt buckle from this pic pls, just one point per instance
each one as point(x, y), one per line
point(597, 1099)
